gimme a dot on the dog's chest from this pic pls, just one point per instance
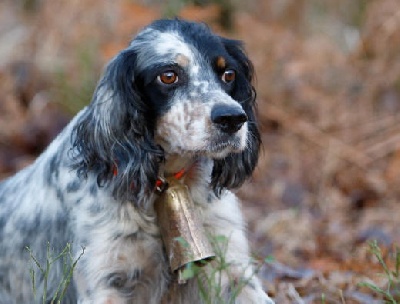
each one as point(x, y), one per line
point(123, 251)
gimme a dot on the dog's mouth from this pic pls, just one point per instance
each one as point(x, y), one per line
point(211, 143)
point(221, 147)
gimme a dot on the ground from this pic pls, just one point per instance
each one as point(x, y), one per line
point(328, 84)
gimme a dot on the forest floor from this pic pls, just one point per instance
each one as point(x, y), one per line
point(328, 180)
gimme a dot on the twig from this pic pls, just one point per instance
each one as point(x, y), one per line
point(370, 129)
point(311, 133)
point(384, 147)
point(294, 294)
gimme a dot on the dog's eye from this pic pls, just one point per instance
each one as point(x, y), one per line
point(168, 77)
point(229, 76)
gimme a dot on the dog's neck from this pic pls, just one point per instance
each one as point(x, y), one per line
point(175, 163)
point(194, 172)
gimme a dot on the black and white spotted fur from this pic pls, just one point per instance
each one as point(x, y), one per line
point(93, 186)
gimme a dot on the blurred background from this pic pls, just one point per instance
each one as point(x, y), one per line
point(328, 83)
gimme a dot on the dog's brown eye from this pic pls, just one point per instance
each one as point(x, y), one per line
point(168, 77)
point(228, 76)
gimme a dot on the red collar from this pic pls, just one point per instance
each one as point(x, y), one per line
point(161, 183)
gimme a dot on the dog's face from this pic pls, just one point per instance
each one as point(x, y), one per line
point(190, 80)
point(177, 89)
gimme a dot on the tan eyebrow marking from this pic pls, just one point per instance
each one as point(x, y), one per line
point(182, 60)
point(221, 63)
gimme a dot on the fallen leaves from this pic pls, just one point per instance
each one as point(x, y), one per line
point(327, 181)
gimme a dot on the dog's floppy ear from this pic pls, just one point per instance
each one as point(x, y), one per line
point(113, 139)
point(231, 171)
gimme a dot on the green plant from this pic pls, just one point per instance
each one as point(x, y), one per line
point(74, 89)
point(323, 298)
point(68, 266)
point(225, 19)
point(172, 8)
point(390, 294)
point(209, 275)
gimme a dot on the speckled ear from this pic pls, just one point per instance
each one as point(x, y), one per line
point(114, 139)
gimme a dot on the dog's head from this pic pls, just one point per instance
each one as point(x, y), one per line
point(177, 89)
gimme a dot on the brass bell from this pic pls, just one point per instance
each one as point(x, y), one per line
point(181, 229)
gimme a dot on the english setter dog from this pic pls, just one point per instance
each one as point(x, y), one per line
point(178, 97)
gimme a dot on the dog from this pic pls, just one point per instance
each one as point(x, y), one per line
point(179, 97)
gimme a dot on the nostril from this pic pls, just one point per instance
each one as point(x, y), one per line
point(227, 121)
point(227, 118)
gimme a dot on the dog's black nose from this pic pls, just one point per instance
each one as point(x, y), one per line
point(228, 119)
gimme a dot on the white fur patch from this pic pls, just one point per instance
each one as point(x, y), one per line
point(171, 43)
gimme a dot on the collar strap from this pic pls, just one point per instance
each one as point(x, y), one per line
point(161, 183)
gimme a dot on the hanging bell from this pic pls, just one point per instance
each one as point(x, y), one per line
point(181, 229)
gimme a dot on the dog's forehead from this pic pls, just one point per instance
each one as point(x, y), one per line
point(171, 45)
point(157, 47)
